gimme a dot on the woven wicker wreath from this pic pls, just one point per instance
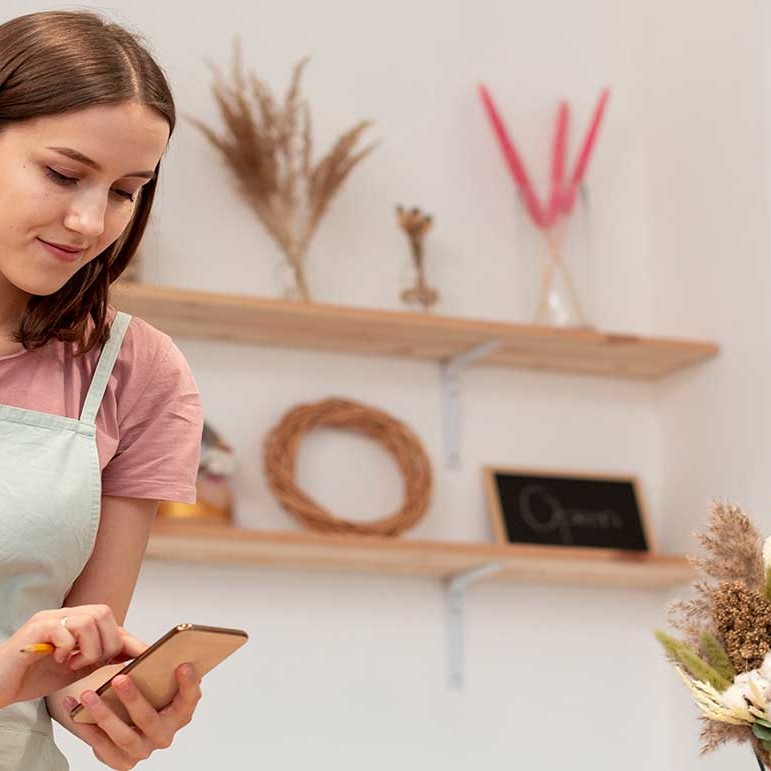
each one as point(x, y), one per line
point(280, 454)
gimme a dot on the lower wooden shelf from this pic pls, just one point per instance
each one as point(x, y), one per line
point(186, 542)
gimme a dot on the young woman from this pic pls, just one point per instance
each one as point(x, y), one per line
point(100, 417)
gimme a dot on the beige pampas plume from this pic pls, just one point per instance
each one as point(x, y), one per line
point(714, 734)
point(732, 552)
point(732, 546)
point(268, 145)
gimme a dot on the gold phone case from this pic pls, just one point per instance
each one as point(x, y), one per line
point(153, 671)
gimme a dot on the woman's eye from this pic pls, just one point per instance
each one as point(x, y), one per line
point(62, 179)
point(125, 195)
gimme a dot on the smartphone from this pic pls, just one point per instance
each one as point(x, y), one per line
point(153, 671)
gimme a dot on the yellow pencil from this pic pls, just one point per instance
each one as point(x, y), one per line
point(38, 648)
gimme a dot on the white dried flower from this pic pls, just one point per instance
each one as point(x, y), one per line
point(733, 697)
point(757, 687)
point(765, 667)
point(767, 553)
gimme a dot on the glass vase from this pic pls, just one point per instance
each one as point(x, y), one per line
point(558, 268)
point(558, 301)
point(287, 281)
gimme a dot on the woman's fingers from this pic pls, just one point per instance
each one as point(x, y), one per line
point(143, 715)
point(104, 748)
point(120, 745)
point(183, 706)
point(86, 630)
point(121, 734)
point(90, 639)
point(91, 629)
point(63, 640)
point(112, 639)
point(131, 646)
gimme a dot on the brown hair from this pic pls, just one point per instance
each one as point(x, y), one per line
point(101, 63)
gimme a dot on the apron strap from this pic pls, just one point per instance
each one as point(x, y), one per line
point(104, 368)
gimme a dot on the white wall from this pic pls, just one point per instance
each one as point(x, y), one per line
point(708, 131)
point(342, 671)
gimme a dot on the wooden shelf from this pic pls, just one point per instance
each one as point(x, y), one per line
point(188, 542)
point(239, 318)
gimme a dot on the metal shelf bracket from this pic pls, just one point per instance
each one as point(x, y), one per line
point(455, 589)
point(451, 370)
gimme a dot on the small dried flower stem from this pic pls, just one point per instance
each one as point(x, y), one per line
point(301, 283)
point(416, 224)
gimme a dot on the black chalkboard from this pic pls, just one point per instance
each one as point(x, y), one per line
point(575, 510)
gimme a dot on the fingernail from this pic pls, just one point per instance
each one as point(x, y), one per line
point(68, 702)
point(89, 698)
point(187, 670)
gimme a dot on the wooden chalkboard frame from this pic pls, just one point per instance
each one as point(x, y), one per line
point(499, 526)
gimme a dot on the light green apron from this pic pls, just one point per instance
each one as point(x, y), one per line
point(50, 501)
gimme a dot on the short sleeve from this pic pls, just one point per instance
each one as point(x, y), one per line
point(159, 442)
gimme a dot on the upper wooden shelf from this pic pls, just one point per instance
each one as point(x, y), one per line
point(240, 318)
point(190, 542)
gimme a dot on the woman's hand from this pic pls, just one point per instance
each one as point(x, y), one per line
point(84, 638)
point(120, 745)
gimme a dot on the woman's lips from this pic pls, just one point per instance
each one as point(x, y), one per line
point(62, 254)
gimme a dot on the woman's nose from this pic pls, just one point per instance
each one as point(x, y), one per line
point(86, 216)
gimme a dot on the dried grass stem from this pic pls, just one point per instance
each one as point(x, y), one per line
point(268, 146)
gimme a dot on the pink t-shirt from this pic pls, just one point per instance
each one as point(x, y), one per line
point(149, 424)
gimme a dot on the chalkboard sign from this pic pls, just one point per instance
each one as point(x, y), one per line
point(549, 508)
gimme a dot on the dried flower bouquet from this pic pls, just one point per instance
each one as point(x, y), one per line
point(269, 148)
point(725, 656)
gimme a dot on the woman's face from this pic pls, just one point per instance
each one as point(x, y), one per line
point(83, 203)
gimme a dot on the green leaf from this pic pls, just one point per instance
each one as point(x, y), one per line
point(716, 655)
point(761, 732)
point(693, 663)
point(766, 745)
point(763, 722)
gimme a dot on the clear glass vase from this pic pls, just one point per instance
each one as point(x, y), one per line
point(559, 268)
point(286, 279)
point(558, 302)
